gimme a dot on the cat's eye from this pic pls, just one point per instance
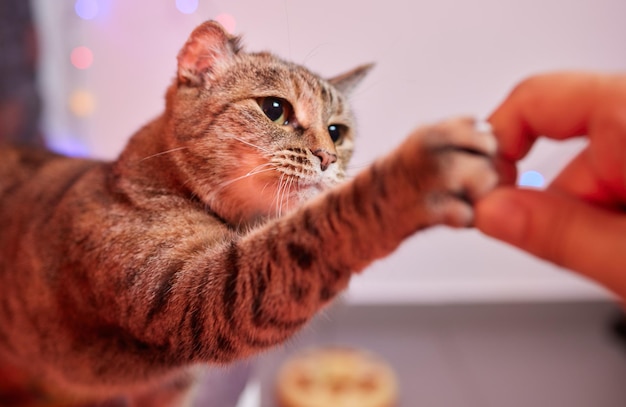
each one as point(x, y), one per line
point(336, 132)
point(276, 109)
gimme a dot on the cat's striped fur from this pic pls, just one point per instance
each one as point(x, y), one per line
point(217, 233)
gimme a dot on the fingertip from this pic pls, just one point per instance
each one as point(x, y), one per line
point(512, 132)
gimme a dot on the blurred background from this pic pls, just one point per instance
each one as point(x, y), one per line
point(104, 66)
point(466, 321)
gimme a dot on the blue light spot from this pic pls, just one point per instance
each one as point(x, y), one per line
point(67, 144)
point(531, 179)
point(86, 9)
point(187, 6)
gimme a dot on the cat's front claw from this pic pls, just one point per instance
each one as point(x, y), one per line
point(462, 151)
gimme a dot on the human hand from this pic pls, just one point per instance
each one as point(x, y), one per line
point(579, 221)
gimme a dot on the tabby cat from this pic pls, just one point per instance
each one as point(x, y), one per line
point(219, 231)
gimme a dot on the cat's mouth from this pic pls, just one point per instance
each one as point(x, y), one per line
point(280, 184)
point(309, 185)
point(305, 173)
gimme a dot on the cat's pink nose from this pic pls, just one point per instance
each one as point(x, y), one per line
point(326, 157)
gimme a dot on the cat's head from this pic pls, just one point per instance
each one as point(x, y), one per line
point(255, 136)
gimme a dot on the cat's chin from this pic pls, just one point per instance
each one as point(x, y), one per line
point(294, 201)
point(311, 191)
point(271, 201)
point(301, 197)
point(290, 203)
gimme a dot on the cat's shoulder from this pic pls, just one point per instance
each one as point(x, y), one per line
point(19, 164)
point(24, 158)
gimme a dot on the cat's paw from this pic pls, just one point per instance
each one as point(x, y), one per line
point(462, 153)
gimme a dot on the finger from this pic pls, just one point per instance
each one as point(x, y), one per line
point(564, 231)
point(506, 170)
point(598, 173)
point(579, 179)
point(557, 105)
point(607, 148)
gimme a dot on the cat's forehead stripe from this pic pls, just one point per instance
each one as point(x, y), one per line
point(311, 87)
point(319, 89)
point(328, 94)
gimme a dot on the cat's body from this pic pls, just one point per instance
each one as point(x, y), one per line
point(220, 230)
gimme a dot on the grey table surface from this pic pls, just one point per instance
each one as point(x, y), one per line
point(505, 355)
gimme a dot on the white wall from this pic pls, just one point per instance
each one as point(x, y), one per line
point(434, 59)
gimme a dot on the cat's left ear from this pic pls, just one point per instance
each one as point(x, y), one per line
point(207, 46)
point(348, 81)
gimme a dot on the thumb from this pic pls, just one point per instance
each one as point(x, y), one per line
point(568, 232)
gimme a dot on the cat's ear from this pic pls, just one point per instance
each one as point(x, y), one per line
point(348, 81)
point(207, 46)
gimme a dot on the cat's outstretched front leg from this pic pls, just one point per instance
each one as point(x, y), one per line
point(282, 273)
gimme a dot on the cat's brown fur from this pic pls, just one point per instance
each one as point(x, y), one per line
point(191, 248)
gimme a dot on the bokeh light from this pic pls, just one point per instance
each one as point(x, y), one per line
point(81, 57)
point(86, 9)
point(187, 6)
point(67, 144)
point(227, 21)
point(82, 103)
point(532, 179)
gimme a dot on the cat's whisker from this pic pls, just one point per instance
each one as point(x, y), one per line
point(293, 187)
point(287, 196)
point(314, 52)
point(257, 170)
point(278, 198)
point(265, 187)
point(265, 150)
point(283, 204)
point(261, 166)
point(163, 153)
point(292, 184)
